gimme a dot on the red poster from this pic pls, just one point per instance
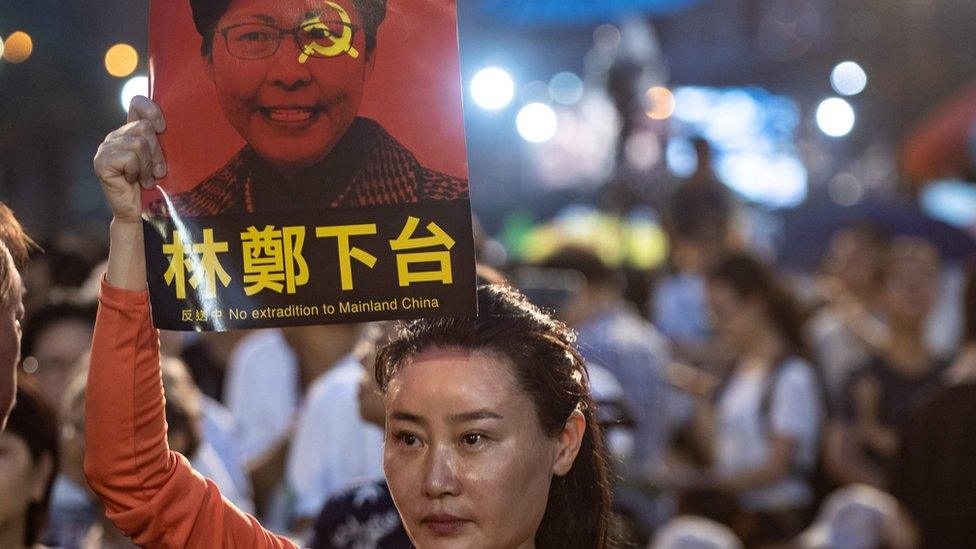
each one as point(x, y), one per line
point(316, 163)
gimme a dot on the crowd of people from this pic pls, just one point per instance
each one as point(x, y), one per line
point(724, 412)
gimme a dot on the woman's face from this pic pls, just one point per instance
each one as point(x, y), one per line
point(736, 318)
point(292, 109)
point(465, 457)
point(22, 480)
point(911, 289)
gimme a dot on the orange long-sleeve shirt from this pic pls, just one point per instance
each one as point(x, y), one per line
point(150, 493)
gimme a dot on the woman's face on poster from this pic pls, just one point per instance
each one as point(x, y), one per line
point(466, 458)
point(290, 97)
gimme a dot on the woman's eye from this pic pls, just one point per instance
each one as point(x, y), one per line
point(255, 36)
point(318, 33)
point(472, 439)
point(407, 439)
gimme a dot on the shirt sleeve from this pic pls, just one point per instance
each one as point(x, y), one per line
point(797, 408)
point(150, 493)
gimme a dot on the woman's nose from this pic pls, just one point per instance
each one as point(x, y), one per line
point(440, 478)
point(287, 70)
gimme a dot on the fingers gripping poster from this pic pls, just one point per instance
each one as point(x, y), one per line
point(316, 163)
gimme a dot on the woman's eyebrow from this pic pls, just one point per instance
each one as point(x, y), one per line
point(407, 416)
point(264, 18)
point(476, 415)
point(312, 14)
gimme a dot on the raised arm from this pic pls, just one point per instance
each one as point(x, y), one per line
point(150, 493)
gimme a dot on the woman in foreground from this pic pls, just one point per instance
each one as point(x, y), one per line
point(490, 436)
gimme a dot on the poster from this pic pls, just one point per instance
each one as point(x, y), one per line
point(316, 164)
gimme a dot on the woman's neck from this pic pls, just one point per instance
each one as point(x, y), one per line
point(12, 533)
point(908, 353)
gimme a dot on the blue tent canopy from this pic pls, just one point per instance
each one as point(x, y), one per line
point(572, 12)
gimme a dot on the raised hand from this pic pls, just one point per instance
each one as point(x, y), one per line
point(130, 158)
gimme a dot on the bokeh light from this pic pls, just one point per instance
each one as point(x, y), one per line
point(137, 85)
point(848, 78)
point(121, 60)
point(661, 102)
point(681, 158)
point(950, 201)
point(18, 47)
point(566, 88)
point(536, 122)
point(835, 117)
point(691, 104)
point(606, 36)
point(492, 88)
point(845, 189)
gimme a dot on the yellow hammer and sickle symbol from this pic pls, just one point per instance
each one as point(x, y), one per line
point(339, 44)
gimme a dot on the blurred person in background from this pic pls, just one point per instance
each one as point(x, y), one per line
point(215, 456)
point(269, 374)
point(364, 516)
point(880, 395)
point(28, 462)
point(612, 334)
point(698, 217)
point(185, 435)
point(933, 473)
point(57, 336)
point(859, 517)
point(15, 247)
point(208, 357)
point(852, 274)
point(332, 446)
point(690, 532)
point(60, 273)
point(761, 428)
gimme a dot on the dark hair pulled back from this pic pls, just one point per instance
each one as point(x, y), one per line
point(549, 368)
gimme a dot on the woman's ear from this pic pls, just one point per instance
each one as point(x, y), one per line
point(369, 64)
point(568, 443)
point(207, 60)
point(43, 470)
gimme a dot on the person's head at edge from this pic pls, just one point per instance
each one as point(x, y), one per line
point(28, 463)
point(14, 249)
point(291, 109)
point(491, 438)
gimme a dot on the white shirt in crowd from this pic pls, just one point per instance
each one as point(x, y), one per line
point(795, 412)
point(262, 391)
point(332, 446)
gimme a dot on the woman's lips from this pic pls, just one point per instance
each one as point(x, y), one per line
point(444, 525)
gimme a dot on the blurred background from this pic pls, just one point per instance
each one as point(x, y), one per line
point(634, 157)
point(826, 104)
